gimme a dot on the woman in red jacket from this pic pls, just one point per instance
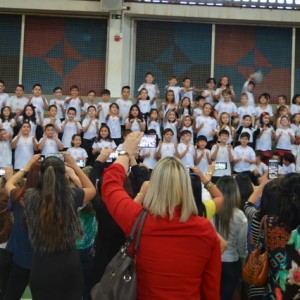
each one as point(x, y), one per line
point(179, 256)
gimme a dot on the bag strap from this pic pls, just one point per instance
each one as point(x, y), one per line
point(262, 223)
point(138, 223)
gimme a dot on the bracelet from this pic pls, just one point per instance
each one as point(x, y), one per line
point(23, 171)
point(208, 185)
point(140, 194)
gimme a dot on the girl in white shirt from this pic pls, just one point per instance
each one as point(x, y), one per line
point(187, 124)
point(170, 121)
point(285, 136)
point(168, 104)
point(104, 141)
point(113, 121)
point(166, 148)
point(185, 108)
point(153, 122)
point(24, 145)
point(135, 121)
point(265, 136)
point(224, 124)
point(7, 122)
point(223, 84)
point(76, 151)
point(263, 106)
point(144, 103)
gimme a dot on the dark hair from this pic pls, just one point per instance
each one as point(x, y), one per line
point(139, 116)
point(220, 84)
point(49, 125)
point(170, 91)
point(227, 91)
point(224, 131)
point(294, 98)
point(183, 132)
point(283, 97)
point(198, 98)
point(212, 109)
point(244, 118)
point(105, 92)
point(125, 87)
point(186, 78)
point(91, 91)
point(197, 192)
point(37, 85)
point(265, 95)
point(208, 80)
point(126, 132)
point(151, 131)
point(149, 73)
point(252, 83)
point(91, 106)
point(245, 186)
point(202, 138)
point(143, 89)
point(21, 86)
point(289, 197)
point(73, 138)
point(72, 109)
point(289, 157)
point(263, 114)
point(27, 123)
point(10, 115)
point(245, 134)
point(168, 130)
point(189, 107)
point(259, 154)
point(99, 136)
point(114, 104)
point(56, 89)
point(26, 118)
point(1, 81)
point(50, 106)
point(74, 86)
point(172, 77)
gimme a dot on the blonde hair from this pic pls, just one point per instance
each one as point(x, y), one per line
point(170, 186)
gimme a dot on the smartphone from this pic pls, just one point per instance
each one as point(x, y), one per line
point(80, 163)
point(2, 172)
point(59, 155)
point(148, 141)
point(221, 166)
point(273, 169)
point(42, 158)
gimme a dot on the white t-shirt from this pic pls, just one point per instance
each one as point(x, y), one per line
point(134, 125)
point(150, 161)
point(77, 153)
point(296, 129)
point(209, 97)
point(291, 168)
point(244, 153)
point(190, 129)
point(50, 146)
point(33, 125)
point(92, 130)
point(124, 107)
point(261, 168)
point(203, 164)
point(86, 106)
point(167, 150)
point(245, 110)
point(259, 111)
point(58, 103)
point(38, 103)
point(264, 142)
point(104, 111)
point(23, 151)
point(4, 99)
point(222, 156)
point(231, 133)
point(69, 130)
point(114, 125)
point(209, 125)
point(144, 106)
point(189, 94)
point(57, 123)
point(176, 90)
point(221, 96)
point(228, 107)
point(76, 103)
point(197, 112)
point(284, 141)
point(250, 131)
point(104, 145)
point(188, 158)
point(152, 92)
point(295, 108)
point(6, 154)
point(8, 126)
point(16, 103)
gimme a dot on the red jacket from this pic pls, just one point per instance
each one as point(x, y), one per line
point(175, 260)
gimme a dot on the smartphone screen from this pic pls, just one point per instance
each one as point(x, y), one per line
point(221, 166)
point(148, 141)
point(80, 163)
point(273, 169)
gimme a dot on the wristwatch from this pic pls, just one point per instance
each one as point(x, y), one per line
point(123, 152)
point(23, 171)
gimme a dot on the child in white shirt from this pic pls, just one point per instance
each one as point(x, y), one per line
point(113, 121)
point(186, 151)
point(263, 106)
point(38, 100)
point(202, 155)
point(124, 104)
point(248, 89)
point(18, 101)
point(209, 92)
point(135, 121)
point(5, 148)
point(74, 101)
point(246, 109)
point(104, 141)
point(166, 148)
point(91, 102)
point(58, 102)
point(295, 107)
point(226, 106)
point(4, 98)
point(152, 89)
point(103, 106)
point(288, 164)
point(53, 119)
point(148, 154)
point(172, 86)
point(79, 154)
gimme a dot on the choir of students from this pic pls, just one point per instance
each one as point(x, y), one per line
point(217, 124)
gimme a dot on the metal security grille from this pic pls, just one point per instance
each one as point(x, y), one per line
point(269, 4)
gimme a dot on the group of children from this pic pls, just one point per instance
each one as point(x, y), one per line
point(198, 125)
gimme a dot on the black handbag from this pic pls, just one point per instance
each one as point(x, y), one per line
point(119, 279)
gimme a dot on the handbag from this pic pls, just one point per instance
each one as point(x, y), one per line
point(256, 269)
point(119, 279)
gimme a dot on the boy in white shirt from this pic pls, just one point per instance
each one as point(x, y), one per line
point(209, 93)
point(288, 164)
point(166, 148)
point(243, 155)
point(18, 101)
point(38, 100)
point(58, 102)
point(50, 143)
point(222, 154)
point(75, 101)
point(124, 104)
point(53, 119)
point(186, 151)
point(174, 87)
point(103, 106)
point(91, 102)
point(226, 106)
